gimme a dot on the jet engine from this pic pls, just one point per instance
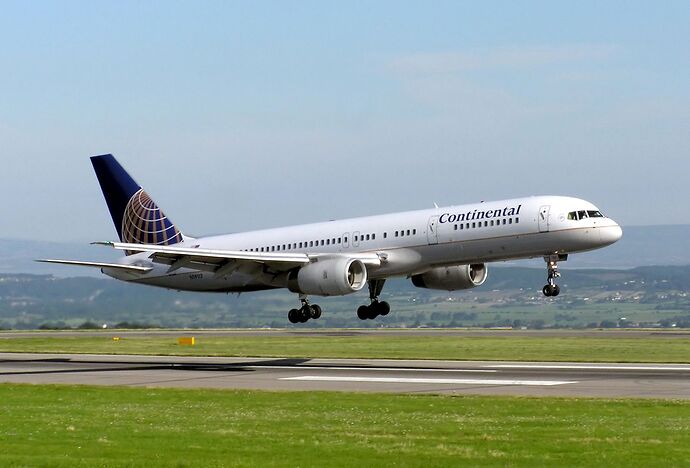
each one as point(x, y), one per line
point(329, 277)
point(452, 278)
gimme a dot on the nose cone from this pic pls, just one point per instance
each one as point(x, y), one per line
point(610, 234)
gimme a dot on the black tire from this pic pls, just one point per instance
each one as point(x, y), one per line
point(293, 316)
point(556, 290)
point(304, 314)
point(384, 308)
point(315, 311)
point(363, 312)
point(373, 310)
point(547, 290)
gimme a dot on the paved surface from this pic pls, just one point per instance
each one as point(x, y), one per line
point(362, 375)
point(421, 332)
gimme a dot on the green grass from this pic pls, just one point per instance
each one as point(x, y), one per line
point(103, 426)
point(626, 348)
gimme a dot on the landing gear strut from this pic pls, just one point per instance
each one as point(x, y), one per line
point(304, 313)
point(376, 308)
point(551, 289)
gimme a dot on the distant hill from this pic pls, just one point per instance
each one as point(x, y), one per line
point(640, 246)
point(510, 296)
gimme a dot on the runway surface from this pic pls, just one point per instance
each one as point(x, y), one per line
point(361, 375)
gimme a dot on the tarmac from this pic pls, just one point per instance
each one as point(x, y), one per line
point(534, 379)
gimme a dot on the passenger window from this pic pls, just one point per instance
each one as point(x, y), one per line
point(367, 237)
point(474, 225)
point(504, 222)
point(414, 232)
point(510, 221)
point(385, 235)
point(461, 227)
point(373, 237)
point(396, 233)
point(517, 220)
point(311, 243)
point(333, 241)
point(339, 240)
point(408, 232)
point(356, 238)
point(455, 227)
point(321, 241)
point(328, 242)
point(486, 224)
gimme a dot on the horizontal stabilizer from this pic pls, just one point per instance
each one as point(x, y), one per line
point(117, 266)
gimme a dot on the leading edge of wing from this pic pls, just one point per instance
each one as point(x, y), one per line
point(269, 257)
point(117, 266)
point(285, 259)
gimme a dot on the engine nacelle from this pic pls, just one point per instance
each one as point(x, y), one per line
point(452, 278)
point(329, 277)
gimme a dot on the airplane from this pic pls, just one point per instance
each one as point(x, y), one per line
point(444, 248)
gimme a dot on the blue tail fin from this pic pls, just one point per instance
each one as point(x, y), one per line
point(137, 218)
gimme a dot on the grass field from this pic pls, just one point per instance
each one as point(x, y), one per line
point(93, 426)
point(627, 348)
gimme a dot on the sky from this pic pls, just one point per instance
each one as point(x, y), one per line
point(239, 115)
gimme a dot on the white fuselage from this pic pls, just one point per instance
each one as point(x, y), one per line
point(408, 243)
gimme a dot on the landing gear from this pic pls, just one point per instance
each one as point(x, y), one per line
point(376, 308)
point(304, 313)
point(551, 289)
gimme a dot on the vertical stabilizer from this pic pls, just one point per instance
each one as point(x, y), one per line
point(136, 216)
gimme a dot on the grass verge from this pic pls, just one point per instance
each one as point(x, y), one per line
point(103, 426)
point(649, 348)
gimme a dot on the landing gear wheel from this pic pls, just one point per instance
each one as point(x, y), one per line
point(315, 311)
point(293, 316)
point(384, 308)
point(551, 290)
point(363, 312)
point(305, 313)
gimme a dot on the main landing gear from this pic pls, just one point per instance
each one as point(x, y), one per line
point(304, 313)
point(376, 308)
point(551, 289)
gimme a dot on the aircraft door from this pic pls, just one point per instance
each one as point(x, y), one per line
point(544, 218)
point(346, 242)
point(432, 230)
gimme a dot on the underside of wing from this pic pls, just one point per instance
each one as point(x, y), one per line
point(217, 261)
point(116, 266)
point(226, 261)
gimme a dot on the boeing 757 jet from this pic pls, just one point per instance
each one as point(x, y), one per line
point(444, 248)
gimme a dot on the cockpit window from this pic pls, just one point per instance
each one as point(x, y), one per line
point(584, 214)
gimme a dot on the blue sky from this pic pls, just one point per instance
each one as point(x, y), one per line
point(243, 115)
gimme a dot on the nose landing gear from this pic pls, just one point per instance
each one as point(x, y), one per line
point(551, 289)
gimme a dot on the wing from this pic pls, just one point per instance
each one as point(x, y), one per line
point(223, 262)
point(116, 266)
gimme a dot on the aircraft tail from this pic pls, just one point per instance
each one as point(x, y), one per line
point(136, 216)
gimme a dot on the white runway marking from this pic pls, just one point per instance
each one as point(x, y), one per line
point(386, 369)
point(319, 378)
point(584, 367)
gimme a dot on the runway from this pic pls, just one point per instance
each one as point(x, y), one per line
point(354, 375)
